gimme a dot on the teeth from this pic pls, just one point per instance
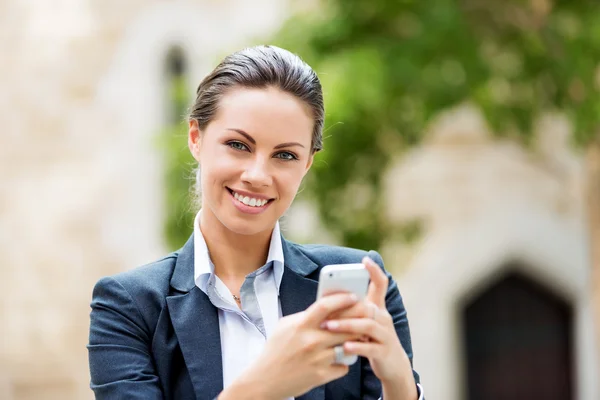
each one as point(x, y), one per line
point(249, 201)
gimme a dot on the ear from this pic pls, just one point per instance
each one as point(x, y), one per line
point(309, 163)
point(194, 139)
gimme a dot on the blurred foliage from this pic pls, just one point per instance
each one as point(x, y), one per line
point(179, 163)
point(388, 66)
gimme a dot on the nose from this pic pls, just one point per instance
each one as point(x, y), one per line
point(257, 174)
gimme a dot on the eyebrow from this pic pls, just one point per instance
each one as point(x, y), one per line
point(251, 139)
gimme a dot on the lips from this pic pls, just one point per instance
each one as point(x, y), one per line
point(250, 199)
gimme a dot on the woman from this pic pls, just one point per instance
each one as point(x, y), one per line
point(232, 315)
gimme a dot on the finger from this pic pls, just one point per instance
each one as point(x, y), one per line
point(320, 309)
point(337, 371)
point(379, 282)
point(358, 310)
point(358, 327)
point(328, 339)
point(362, 309)
point(327, 356)
point(331, 371)
point(369, 350)
point(375, 312)
point(325, 363)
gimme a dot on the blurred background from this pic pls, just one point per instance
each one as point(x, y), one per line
point(462, 142)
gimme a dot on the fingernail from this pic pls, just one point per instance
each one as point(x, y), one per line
point(353, 297)
point(332, 324)
point(323, 325)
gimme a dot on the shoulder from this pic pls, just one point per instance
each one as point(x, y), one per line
point(322, 254)
point(152, 275)
point(147, 283)
point(131, 301)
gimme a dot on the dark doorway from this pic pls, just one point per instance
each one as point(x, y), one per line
point(517, 337)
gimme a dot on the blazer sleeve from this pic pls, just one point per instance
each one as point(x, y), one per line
point(371, 386)
point(121, 365)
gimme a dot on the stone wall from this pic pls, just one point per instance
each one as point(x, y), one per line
point(487, 204)
point(80, 173)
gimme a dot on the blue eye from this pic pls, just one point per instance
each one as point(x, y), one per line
point(237, 145)
point(286, 155)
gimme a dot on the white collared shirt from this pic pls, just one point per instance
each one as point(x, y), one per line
point(243, 332)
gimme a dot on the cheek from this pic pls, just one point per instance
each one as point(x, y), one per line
point(290, 181)
point(215, 169)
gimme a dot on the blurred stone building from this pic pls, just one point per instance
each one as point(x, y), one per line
point(82, 99)
point(81, 196)
point(498, 286)
point(498, 290)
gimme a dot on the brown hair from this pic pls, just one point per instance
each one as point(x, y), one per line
point(261, 67)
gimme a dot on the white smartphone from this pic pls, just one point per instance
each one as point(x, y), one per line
point(353, 278)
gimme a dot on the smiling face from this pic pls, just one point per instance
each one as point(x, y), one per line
point(253, 156)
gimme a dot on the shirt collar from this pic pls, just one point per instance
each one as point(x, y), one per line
point(204, 268)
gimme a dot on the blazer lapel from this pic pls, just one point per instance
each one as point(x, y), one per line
point(196, 324)
point(196, 321)
point(297, 293)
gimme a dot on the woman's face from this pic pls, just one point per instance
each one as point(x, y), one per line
point(253, 156)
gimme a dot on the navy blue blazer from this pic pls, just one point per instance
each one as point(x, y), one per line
point(155, 335)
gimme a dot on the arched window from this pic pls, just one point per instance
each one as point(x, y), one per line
point(517, 337)
point(178, 162)
point(176, 72)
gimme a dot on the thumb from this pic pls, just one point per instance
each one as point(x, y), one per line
point(379, 283)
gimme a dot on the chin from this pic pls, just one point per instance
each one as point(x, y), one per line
point(247, 226)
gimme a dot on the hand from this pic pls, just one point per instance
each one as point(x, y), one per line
point(299, 355)
point(370, 320)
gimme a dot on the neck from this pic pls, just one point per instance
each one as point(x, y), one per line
point(233, 255)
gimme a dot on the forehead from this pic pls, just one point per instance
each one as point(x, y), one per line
point(266, 113)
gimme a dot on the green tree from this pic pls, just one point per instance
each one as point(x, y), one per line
point(388, 67)
point(179, 163)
